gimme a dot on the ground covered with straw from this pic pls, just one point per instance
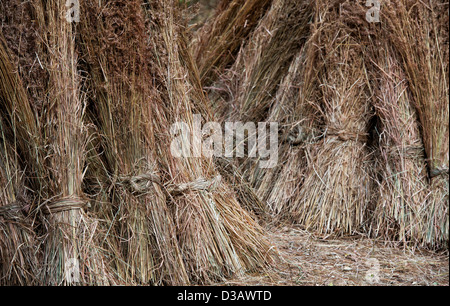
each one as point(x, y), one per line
point(309, 260)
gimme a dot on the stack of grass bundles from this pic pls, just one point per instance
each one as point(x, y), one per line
point(18, 242)
point(219, 40)
point(103, 139)
point(419, 34)
point(336, 190)
point(181, 223)
point(216, 236)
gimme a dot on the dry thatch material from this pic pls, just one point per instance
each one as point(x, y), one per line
point(331, 91)
point(196, 234)
point(419, 34)
point(402, 201)
point(216, 236)
point(340, 68)
point(218, 41)
point(265, 59)
point(70, 232)
point(106, 191)
point(260, 87)
point(299, 121)
point(18, 242)
point(336, 190)
point(141, 232)
point(88, 176)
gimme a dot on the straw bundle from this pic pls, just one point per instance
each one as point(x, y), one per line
point(124, 105)
point(404, 187)
point(105, 192)
point(419, 34)
point(18, 243)
point(336, 190)
point(299, 120)
point(217, 237)
point(71, 234)
point(262, 76)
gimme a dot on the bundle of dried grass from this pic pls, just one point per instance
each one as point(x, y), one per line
point(217, 237)
point(18, 243)
point(219, 40)
point(170, 222)
point(419, 33)
point(337, 187)
point(259, 87)
point(403, 188)
point(71, 234)
point(294, 110)
point(124, 106)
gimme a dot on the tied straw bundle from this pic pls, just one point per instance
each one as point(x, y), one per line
point(337, 187)
point(217, 43)
point(418, 31)
point(18, 242)
point(218, 238)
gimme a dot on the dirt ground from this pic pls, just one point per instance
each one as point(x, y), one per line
point(311, 261)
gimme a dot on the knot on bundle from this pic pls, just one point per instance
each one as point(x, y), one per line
point(20, 208)
point(72, 202)
point(15, 210)
point(143, 183)
point(344, 134)
point(200, 184)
